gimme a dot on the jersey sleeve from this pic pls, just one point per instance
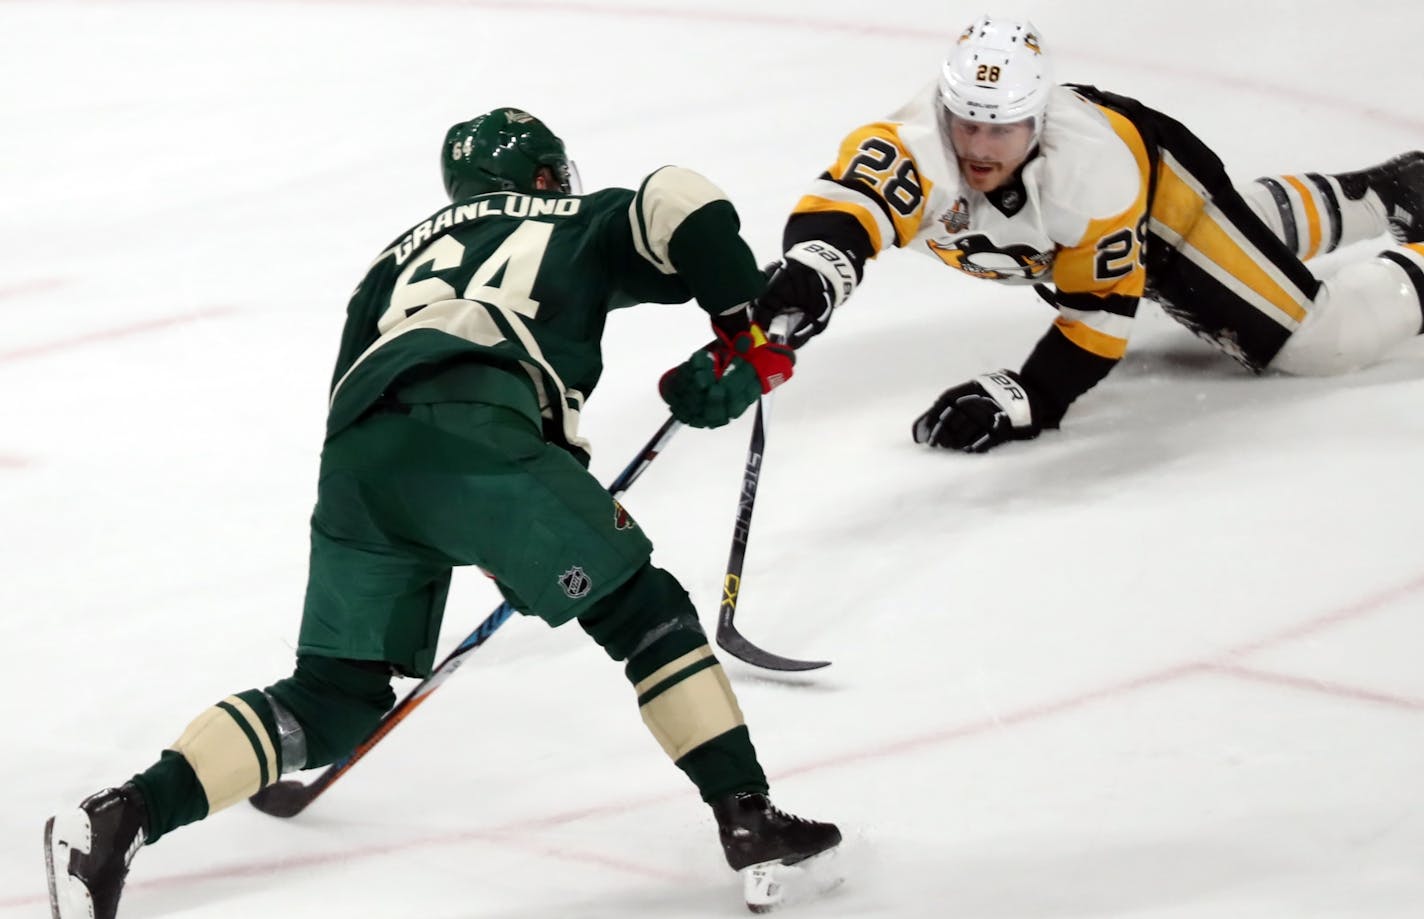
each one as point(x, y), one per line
point(686, 239)
point(1099, 275)
point(873, 196)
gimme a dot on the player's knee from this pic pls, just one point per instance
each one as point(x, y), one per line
point(1358, 316)
point(329, 706)
point(649, 613)
point(683, 694)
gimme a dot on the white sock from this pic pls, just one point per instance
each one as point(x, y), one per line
point(1311, 213)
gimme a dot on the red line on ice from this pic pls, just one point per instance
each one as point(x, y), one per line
point(29, 352)
point(494, 837)
point(1231, 82)
point(1021, 716)
point(1369, 604)
point(29, 287)
point(1312, 684)
point(510, 833)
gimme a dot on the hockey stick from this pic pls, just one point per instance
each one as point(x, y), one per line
point(730, 640)
point(290, 797)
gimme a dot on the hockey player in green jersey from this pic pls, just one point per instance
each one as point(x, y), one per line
point(452, 440)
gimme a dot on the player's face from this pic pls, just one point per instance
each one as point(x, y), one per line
point(989, 154)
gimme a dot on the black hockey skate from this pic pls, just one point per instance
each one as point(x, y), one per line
point(88, 851)
point(1400, 185)
point(781, 858)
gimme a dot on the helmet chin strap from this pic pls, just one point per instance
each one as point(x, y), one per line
point(1039, 123)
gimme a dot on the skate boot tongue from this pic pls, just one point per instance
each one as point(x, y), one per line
point(782, 858)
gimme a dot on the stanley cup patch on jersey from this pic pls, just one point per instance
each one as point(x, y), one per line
point(956, 219)
point(575, 582)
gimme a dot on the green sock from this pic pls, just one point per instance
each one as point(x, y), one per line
point(172, 795)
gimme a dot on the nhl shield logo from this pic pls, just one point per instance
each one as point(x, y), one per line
point(575, 582)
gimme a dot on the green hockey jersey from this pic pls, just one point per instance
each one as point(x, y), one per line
point(525, 283)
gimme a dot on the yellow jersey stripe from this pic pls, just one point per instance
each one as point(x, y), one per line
point(1075, 268)
point(815, 204)
point(1090, 339)
point(1212, 240)
point(1178, 204)
point(1181, 210)
point(1312, 214)
point(875, 156)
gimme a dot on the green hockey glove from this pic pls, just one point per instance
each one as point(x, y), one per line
point(720, 381)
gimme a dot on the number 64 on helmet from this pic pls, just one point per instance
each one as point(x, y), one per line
point(503, 150)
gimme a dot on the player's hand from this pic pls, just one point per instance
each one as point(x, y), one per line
point(979, 415)
point(720, 381)
point(807, 284)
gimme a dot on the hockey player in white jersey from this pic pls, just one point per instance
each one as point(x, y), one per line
point(1098, 201)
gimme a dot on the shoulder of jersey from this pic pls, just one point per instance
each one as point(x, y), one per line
point(916, 126)
point(1088, 168)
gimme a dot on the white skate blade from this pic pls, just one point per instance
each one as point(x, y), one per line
point(772, 885)
point(68, 897)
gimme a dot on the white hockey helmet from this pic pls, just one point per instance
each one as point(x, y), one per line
point(997, 73)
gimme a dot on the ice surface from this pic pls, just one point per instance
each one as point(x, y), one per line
point(1162, 664)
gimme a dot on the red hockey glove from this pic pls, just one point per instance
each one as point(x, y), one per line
point(771, 360)
point(720, 381)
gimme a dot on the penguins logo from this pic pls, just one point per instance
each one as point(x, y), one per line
point(977, 256)
point(1031, 43)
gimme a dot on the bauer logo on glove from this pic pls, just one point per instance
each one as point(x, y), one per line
point(809, 282)
point(979, 415)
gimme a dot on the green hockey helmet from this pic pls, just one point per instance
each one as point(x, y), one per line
point(502, 151)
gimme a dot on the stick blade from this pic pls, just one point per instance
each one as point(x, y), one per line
point(283, 799)
point(735, 644)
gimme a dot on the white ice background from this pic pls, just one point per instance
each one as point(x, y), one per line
point(1164, 663)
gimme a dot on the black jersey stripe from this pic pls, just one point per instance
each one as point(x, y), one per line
point(1283, 204)
point(1117, 304)
point(865, 190)
point(1058, 372)
point(1332, 207)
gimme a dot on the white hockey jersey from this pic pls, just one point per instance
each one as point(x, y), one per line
point(1074, 216)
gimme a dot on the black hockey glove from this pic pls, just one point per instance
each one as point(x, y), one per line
point(979, 415)
point(809, 282)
